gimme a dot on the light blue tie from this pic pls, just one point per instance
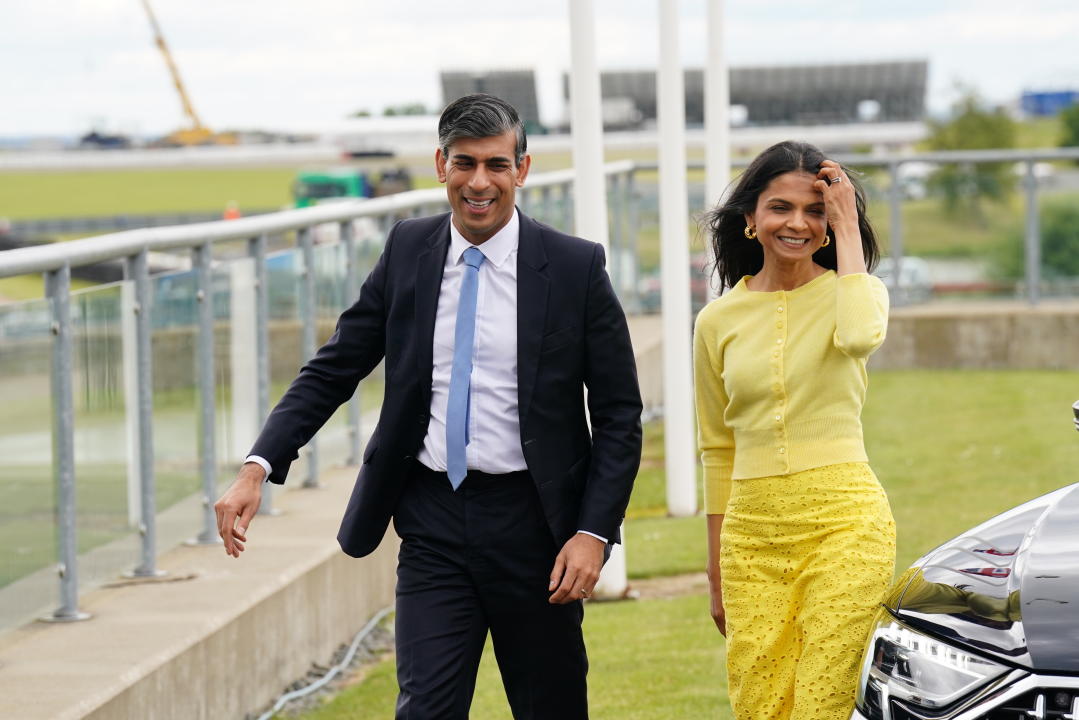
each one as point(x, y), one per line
point(464, 336)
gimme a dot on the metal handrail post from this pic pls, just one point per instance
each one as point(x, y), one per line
point(618, 209)
point(546, 203)
point(895, 228)
point(138, 269)
point(567, 208)
point(352, 291)
point(1031, 238)
point(385, 223)
point(308, 320)
point(58, 290)
point(633, 222)
point(256, 250)
point(201, 258)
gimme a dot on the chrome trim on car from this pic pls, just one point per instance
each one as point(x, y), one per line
point(1016, 683)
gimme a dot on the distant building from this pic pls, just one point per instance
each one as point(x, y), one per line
point(791, 95)
point(517, 87)
point(1046, 103)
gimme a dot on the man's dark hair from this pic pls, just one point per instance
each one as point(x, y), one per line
point(735, 254)
point(480, 116)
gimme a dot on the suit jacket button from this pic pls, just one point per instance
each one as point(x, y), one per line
point(408, 458)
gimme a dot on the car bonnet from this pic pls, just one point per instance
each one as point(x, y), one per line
point(1008, 587)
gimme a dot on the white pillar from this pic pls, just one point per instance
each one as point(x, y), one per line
point(245, 422)
point(586, 126)
point(679, 440)
point(717, 128)
point(590, 194)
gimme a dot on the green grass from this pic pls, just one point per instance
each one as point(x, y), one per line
point(1038, 132)
point(930, 230)
point(80, 193)
point(31, 287)
point(952, 448)
point(27, 530)
point(662, 546)
point(659, 658)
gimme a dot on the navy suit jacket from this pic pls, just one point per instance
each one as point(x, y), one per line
point(571, 336)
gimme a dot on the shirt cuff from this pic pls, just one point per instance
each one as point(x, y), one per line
point(598, 537)
point(261, 462)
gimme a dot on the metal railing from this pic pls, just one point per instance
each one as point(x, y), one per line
point(892, 163)
point(548, 197)
point(1029, 158)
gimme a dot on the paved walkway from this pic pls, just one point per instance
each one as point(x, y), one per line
point(72, 670)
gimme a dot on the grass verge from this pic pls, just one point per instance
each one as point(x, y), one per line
point(657, 658)
point(952, 448)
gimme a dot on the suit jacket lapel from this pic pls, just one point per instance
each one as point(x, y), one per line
point(532, 287)
point(429, 268)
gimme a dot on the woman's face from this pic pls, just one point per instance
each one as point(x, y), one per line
point(789, 219)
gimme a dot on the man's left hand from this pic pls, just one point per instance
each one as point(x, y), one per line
point(576, 569)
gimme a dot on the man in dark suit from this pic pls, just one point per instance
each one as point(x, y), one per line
point(505, 483)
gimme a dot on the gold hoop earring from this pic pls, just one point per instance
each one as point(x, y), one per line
point(750, 233)
point(827, 242)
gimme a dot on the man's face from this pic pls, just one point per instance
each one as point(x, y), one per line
point(481, 180)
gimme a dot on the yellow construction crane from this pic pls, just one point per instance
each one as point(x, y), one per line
point(197, 133)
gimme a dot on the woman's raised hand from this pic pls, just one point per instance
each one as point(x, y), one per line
point(838, 192)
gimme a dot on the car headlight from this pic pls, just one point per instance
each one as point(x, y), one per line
point(904, 664)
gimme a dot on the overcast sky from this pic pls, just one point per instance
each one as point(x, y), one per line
point(69, 65)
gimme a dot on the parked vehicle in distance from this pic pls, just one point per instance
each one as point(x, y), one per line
point(986, 626)
point(313, 187)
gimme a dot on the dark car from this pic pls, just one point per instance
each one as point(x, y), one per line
point(986, 626)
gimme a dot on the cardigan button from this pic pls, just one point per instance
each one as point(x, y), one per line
point(782, 450)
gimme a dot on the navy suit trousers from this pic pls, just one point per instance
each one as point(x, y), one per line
point(474, 561)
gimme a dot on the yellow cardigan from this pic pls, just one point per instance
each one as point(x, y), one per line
point(780, 378)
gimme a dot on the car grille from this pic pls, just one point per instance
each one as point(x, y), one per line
point(1040, 704)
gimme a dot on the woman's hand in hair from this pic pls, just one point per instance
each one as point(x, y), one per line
point(841, 210)
point(839, 204)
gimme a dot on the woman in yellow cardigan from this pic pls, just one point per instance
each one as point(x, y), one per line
point(800, 535)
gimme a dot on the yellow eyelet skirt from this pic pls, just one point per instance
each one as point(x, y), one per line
point(805, 560)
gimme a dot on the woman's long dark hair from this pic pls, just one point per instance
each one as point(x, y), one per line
point(737, 256)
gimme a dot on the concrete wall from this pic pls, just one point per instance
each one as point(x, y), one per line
point(248, 663)
point(997, 336)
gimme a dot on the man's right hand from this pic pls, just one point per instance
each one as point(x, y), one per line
point(238, 505)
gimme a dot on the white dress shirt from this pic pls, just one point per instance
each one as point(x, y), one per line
point(494, 426)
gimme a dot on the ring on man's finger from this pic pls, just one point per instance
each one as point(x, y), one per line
point(836, 179)
point(585, 593)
